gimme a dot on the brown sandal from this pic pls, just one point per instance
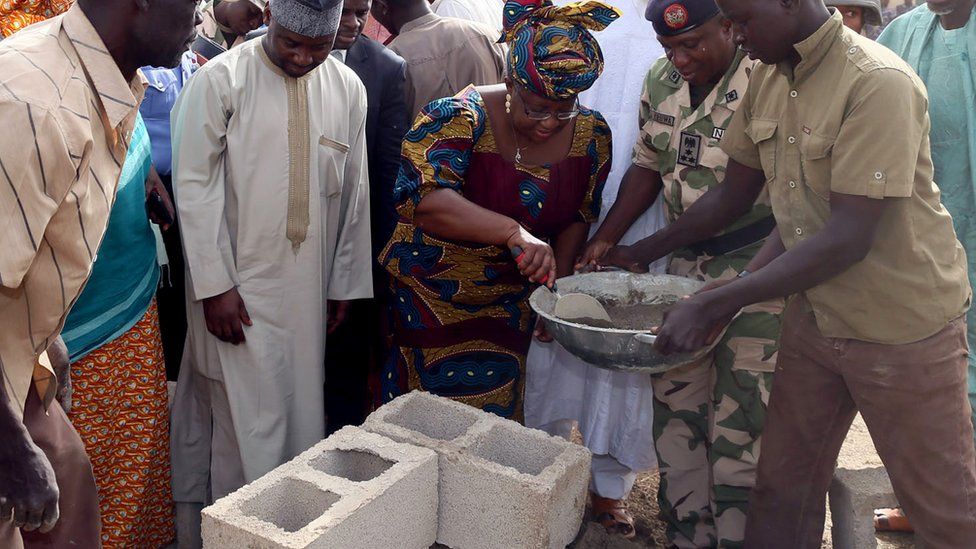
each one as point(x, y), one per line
point(613, 515)
point(891, 520)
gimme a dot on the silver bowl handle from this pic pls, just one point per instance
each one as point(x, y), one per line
point(646, 338)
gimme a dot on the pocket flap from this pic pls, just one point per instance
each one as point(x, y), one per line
point(815, 147)
point(337, 145)
point(761, 130)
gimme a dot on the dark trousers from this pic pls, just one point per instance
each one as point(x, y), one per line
point(352, 352)
point(171, 296)
point(79, 524)
point(912, 398)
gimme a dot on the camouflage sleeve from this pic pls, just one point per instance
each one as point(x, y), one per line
point(645, 155)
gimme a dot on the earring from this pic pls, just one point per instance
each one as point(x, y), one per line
point(508, 103)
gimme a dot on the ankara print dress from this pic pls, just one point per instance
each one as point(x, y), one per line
point(462, 322)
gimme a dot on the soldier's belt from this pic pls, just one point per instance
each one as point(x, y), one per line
point(735, 240)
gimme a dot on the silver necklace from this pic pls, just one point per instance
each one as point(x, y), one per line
point(518, 148)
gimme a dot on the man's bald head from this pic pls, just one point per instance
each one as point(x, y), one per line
point(393, 14)
point(144, 32)
point(768, 29)
point(946, 7)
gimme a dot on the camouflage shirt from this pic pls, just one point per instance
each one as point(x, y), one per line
point(682, 144)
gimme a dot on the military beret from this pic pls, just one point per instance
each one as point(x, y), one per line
point(673, 17)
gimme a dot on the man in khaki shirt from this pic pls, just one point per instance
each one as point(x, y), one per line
point(444, 55)
point(836, 127)
point(68, 109)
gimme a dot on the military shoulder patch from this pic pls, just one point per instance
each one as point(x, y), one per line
point(717, 133)
point(731, 96)
point(674, 77)
point(662, 118)
point(689, 149)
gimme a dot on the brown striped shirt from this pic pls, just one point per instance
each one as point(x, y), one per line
point(67, 114)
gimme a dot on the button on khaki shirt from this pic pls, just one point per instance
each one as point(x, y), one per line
point(67, 116)
point(852, 118)
point(445, 55)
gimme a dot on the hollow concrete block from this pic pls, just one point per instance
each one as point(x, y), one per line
point(501, 484)
point(354, 490)
point(860, 485)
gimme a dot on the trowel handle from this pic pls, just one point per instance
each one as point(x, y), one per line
point(518, 253)
point(648, 339)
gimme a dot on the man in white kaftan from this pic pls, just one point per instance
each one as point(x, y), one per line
point(272, 192)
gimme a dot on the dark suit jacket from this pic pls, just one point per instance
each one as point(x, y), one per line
point(383, 73)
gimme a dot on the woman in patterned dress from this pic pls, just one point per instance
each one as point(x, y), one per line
point(518, 166)
point(119, 399)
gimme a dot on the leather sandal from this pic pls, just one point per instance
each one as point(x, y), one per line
point(613, 515)
point(891, 520)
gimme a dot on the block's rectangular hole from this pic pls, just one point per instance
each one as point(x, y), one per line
point(290, 504)
point(434, 418)
point(355, 465)
point(516, 448)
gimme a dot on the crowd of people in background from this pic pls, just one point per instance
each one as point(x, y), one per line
point(232, 228)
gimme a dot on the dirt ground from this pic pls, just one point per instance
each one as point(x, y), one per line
point(643, 505)
point(650, 529)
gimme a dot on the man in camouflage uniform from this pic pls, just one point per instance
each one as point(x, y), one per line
point(708, 415)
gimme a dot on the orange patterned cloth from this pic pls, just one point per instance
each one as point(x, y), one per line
point(17, 14)
point(119, 407)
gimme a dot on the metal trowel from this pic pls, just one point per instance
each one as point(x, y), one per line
point(574, 307)
point(582, 309)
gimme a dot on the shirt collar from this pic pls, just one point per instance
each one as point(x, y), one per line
point(119, 98)
point(419, 22)
point(735, 81)
point(814, 48)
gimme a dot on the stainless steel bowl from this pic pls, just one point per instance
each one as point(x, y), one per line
point(627, 350)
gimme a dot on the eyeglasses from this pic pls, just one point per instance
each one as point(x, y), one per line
point(539, 116)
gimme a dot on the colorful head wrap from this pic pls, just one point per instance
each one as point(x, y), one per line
point(551, 51)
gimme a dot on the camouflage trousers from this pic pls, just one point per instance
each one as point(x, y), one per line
point(708, 417)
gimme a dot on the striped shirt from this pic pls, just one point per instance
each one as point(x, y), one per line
point(67, 114)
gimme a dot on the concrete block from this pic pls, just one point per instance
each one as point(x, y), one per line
point(533, 484)
point(353, 490)
point(501, 484)
point(860, 485)
point(426, 420)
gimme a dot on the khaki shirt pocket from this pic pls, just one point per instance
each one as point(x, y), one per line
point(815, 162)
point(762, 133)
point(332, 165)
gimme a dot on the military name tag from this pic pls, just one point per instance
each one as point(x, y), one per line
point(717, 133)
point(663, 119)
point(689, 150)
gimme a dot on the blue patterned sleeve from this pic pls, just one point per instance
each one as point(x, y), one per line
point(600, 152)
point(437, 149)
